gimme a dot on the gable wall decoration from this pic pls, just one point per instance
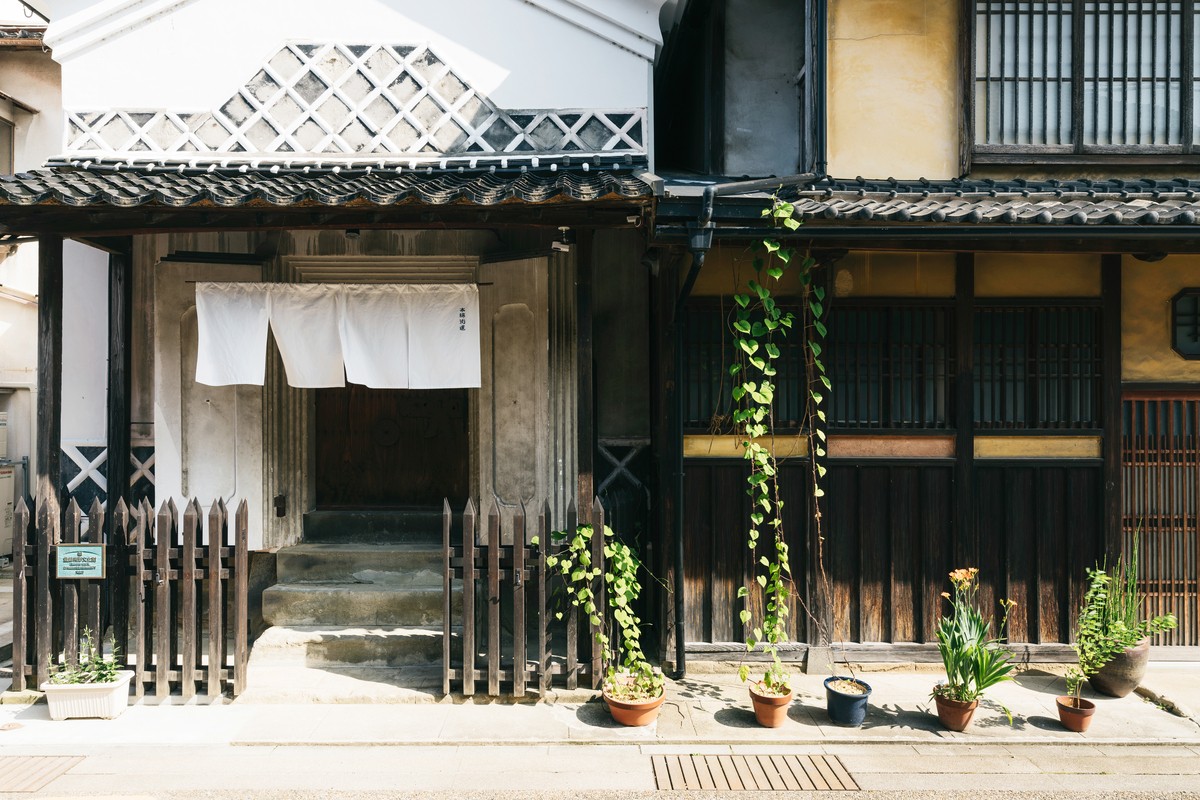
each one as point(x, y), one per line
point(397, 103)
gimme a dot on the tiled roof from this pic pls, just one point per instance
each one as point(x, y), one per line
point(1019, 202)
point(29, 32)
point(182, 188)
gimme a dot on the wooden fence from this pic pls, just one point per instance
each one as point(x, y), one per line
point(185, 586)
point(497, 560)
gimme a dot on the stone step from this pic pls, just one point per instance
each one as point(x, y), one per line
point(322, 646)
point(268, 683)
point(396, 564)
point(354, 604)
point(384, 526)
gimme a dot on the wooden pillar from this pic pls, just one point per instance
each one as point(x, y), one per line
point(664, 286)
point(965, 545)
point(49, 437)
point(120, 325)
point(1110, 401)
point(586, 404)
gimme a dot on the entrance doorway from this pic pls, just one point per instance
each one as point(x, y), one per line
point(391, 448)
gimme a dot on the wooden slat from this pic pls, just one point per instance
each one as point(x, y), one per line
point(493, 598)
point(703, 773)
point(721, 780)
point(599, 590)
point(72, 518)
point(543, 614)
point(217, 526)
point(662, 778)
point(796, 765)
point(138, 541)
point(164, 532)
point(814, 775)
point(835, 764)
point(828, 774)
point(785, 773)
point(741, 765)
point(774, 779)
point(446, 606)
point(21, 530)
point(675, 772)
point(90, 598)
point(468, 561)
point(187, 598)
point(572, 617)
point(518, 600)
point(240, 575)
point(691, 781)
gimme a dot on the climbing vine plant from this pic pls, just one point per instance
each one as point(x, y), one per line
point(760, 324)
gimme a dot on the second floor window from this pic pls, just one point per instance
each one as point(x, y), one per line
point(1078, 77)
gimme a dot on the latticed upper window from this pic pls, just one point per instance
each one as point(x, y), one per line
point(1079, 76)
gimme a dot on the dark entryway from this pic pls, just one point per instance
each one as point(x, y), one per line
point(391, 448)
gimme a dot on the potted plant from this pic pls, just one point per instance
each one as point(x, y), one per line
point(1091, 650)
point(974, 660)
point(632, 689)
point(1119, 634)
point(93, 687)
point(846, 700)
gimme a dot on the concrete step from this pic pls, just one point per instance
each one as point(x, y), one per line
point(410, 564)
point(354, 604)
point(348, 684)
point(320, 646)
point(400, 525)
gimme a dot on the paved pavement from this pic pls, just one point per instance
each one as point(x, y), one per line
point(484, 749)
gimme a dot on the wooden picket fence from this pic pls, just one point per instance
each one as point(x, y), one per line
point(175, 592)
point(500, 569)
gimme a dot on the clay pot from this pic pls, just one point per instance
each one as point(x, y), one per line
point(634, 713)
point(1075, 715)
point(1122, 675)
point(954, 714)
point(770, 710)
point(845, 708)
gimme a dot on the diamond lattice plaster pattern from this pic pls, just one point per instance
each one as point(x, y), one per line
point(355, 102)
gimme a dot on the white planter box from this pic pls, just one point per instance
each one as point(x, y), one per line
point(105, 700)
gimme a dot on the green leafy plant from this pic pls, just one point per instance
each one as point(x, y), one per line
point(628, 676)
point(974, 660)
point(760, 324)
point(92, 666)
point(1110, 619)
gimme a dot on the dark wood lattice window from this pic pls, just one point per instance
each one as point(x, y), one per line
point(1037, 368)
point(1080, 77)
point(891, 366)
point(1185, 323)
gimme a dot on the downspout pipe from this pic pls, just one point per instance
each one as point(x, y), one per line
point(700, 238)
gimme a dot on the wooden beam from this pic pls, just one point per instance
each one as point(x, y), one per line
point(120, 326)
point(49, 375)
point(1110, 401)
point(965, 545)
point(586, 401)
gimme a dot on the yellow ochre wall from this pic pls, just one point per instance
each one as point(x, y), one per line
point(1146, 292)
point(893, 98)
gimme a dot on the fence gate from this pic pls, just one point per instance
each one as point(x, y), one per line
point(1161, 483)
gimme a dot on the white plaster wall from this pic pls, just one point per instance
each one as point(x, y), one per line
point(520, 54)
point(85, 344)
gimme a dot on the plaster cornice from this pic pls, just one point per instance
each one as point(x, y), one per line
point(85, 29)
point(615, 21)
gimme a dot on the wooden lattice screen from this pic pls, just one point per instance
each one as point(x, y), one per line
point(1161, 483)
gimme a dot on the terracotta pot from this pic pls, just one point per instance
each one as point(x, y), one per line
point(845, 708)
point(770, 710)
point(634, 713)
point(1075, 717)
point(954, 714)
point(1122, 675)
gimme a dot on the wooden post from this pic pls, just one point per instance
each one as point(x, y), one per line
point(70, 589)
point(585, 403)
point(187, 598)
point(48, 450)
point(120, 324)
point(518, 595)
point(599, 591)
point(543, 534)
point(1110, 401)
point(91, 589)
point(138, 540)
point(21, 519)
point(217, 525)
point(493, 598)
point(447, 606)
point(164, 533)
point(572, 616)
point(468, 577)
point(965, 546)
point(240, 575)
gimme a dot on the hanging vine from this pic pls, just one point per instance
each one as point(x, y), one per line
point(759, 326)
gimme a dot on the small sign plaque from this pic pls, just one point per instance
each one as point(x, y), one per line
point(83, 561)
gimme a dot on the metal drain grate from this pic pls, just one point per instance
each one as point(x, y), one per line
point(752, 773)
point(30, 773)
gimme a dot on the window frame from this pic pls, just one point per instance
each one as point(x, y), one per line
point(971, 153)
point(1182, 293)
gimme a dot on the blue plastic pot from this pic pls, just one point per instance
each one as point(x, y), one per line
point(846, 709)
